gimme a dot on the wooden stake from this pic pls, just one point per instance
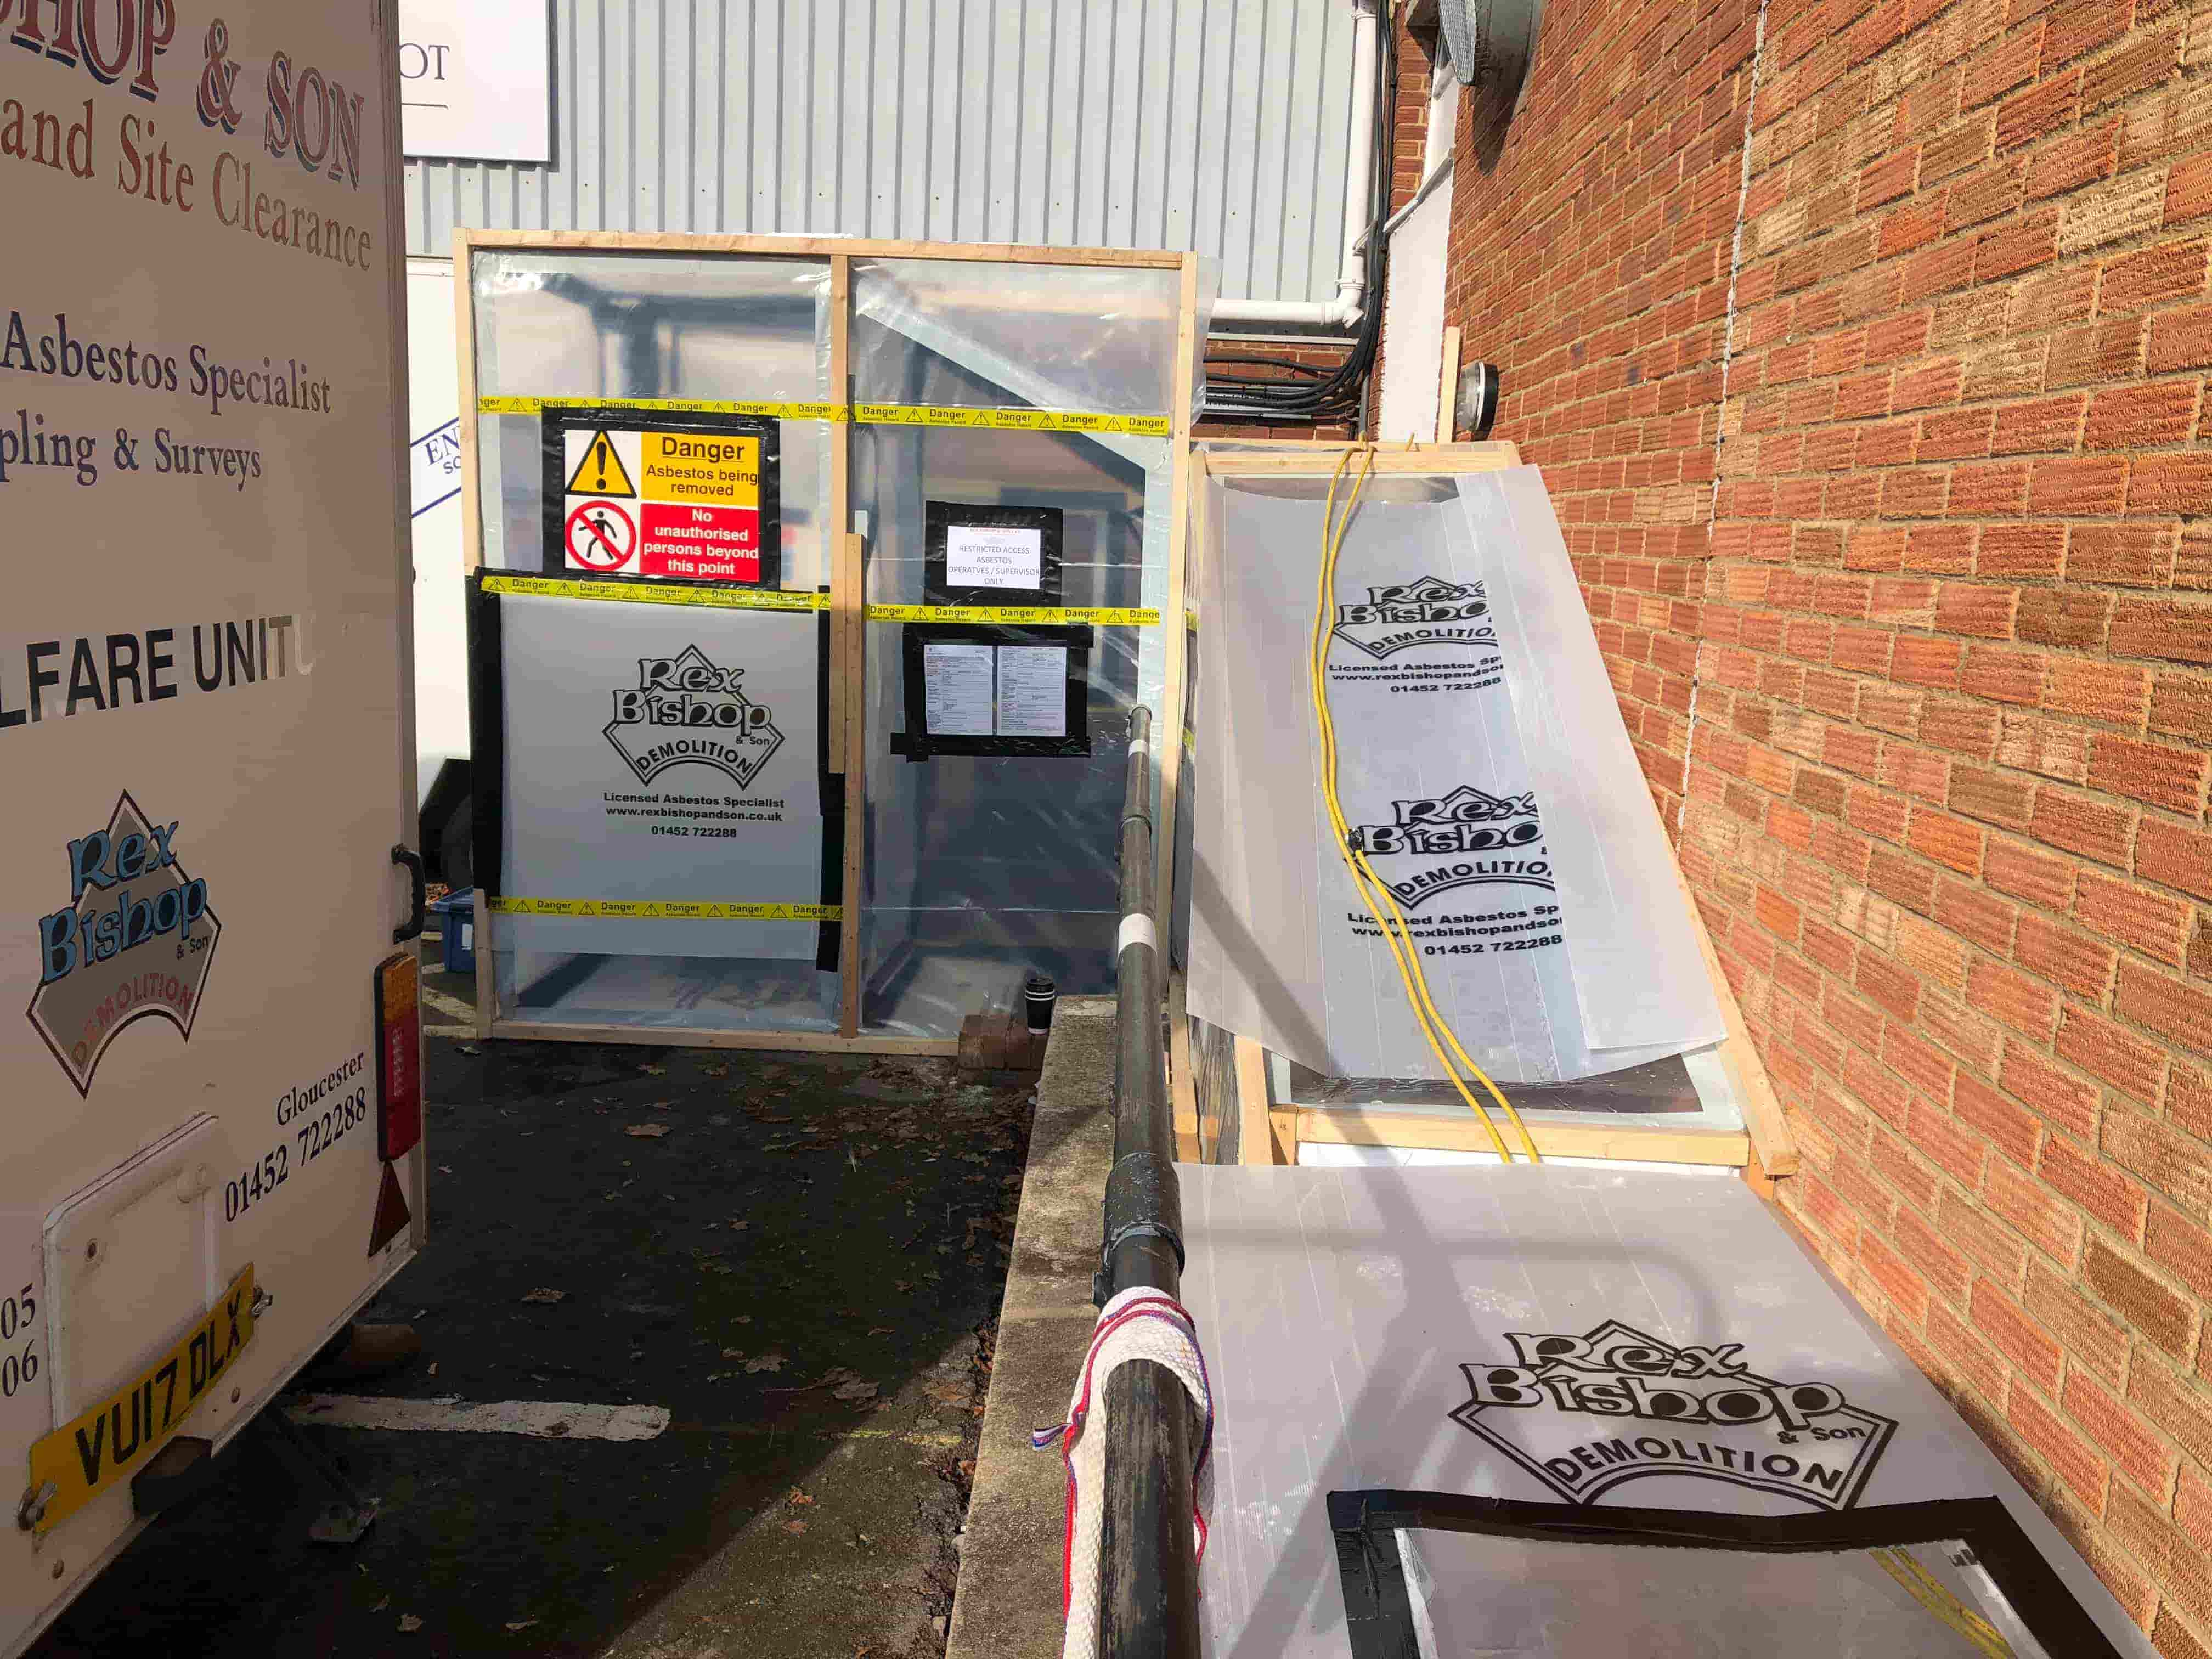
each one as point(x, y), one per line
point(1167, 731)
point(1255, 1142)
point(1448, 389)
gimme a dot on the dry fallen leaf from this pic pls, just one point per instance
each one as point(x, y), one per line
point(546, 1293)
point(520, 1624)
point(646, 1130)
point(795, 1526)
point(715, 1071)
point(408, 1623)
point(766, 1362)
point(734, 1353)
point(798, 1496)
point(856, 1391)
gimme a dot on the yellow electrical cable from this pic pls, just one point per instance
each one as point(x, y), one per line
point(1404, 951)
point(1933, 1594)
point(1395, 932)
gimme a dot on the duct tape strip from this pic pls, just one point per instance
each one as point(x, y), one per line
point(1030, 616)
point(666, 406)
point(672, 910)
point(734, 598)
point(1135, 930)
point(999, 420)
point(1011, 420)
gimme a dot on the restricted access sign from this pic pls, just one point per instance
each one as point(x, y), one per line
point(600, 536)
point(688, 497)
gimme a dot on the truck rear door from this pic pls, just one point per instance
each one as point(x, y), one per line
point(206, 726)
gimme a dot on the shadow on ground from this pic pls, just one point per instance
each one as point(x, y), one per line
point(803, 1269)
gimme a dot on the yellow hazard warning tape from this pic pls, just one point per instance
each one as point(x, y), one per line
point(735, 599)
point(1011, 420)
point(667, 406)
point(668, 911)
point(1001, 419)
point(1034, 615)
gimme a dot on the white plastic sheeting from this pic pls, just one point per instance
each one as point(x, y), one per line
point(1635, 957)
point(1676, 1350)
point(1483, 768)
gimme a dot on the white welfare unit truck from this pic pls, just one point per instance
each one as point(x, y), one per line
point(211, 1107)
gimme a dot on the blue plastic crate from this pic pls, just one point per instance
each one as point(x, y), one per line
point(457, 930)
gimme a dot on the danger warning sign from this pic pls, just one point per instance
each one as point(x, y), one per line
point(685, 498)
point(599, 469)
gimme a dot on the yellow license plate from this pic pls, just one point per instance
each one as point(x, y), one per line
point(116, 1438)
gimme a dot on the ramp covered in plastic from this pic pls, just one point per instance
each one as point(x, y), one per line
point(1561, 1413)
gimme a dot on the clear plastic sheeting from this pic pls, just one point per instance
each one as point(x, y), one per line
point(1540, 1598)
point(1099, 338)
point(672, 993)
point(1630, 936)
point(1432, 1351)
point(1690, 1091)
point(982, 869)
point(1444, 789)
point(725, 327)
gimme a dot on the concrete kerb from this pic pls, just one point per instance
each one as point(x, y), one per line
point(1007, 1602)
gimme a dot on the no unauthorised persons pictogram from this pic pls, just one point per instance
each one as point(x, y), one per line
point(600, 536)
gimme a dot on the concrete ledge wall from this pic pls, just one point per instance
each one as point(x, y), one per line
point(1008, 1602)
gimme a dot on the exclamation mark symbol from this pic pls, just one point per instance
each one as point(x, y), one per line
point(600, 460)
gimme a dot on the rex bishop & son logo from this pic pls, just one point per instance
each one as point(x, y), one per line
point(1585, 1413)
point(135, 939)
point(1480, 837)
point(1428, 611)
point(683, 711)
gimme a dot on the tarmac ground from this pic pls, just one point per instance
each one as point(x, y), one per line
point(800, 1257)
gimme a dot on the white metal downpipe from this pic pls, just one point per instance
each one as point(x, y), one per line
point(1343, 312)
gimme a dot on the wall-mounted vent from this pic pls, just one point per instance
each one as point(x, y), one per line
point(1490, 44)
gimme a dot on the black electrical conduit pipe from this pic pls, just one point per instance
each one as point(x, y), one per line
point(1148, 1571)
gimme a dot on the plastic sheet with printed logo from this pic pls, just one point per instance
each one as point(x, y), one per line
point(1482, 770)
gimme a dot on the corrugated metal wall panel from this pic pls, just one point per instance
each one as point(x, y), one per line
point(1220, 125)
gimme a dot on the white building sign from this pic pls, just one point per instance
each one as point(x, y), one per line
point(475, 80)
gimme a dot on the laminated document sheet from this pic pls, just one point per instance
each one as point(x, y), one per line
point(1583, 1414)
point(1482, 769)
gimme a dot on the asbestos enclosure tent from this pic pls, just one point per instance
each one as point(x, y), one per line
point(754, 758)
point(1580, 1413)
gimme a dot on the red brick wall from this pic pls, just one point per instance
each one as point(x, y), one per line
point(1592, 266)
point(1936, 649)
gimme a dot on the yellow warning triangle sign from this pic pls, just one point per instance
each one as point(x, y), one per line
point(600, 471)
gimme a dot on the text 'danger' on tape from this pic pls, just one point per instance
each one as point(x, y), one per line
point(735, 599)
point(1028, 616)
point(1011, 420)
point(1000, 420)
point(780, 411)
point(664, 909)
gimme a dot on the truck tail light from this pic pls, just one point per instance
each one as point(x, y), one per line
point(398, 1056)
